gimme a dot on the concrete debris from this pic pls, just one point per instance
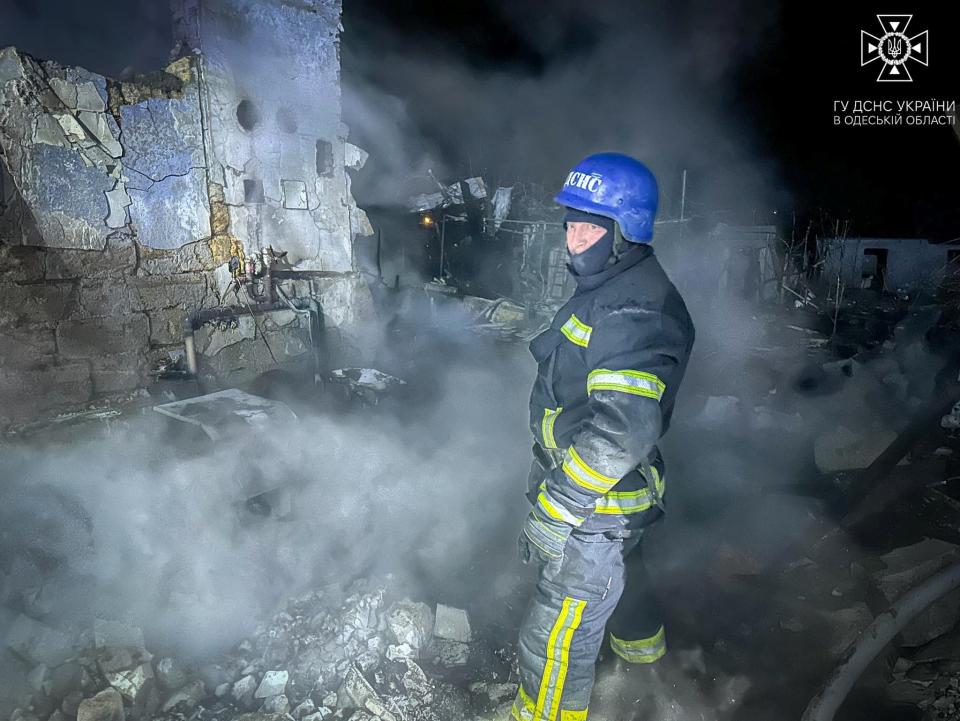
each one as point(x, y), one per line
point(323, 655)
point(451, 195)
point(906, 567)
point(410, 623)
point(276, 704)
point(132, 683)
point(399, 652)
point(842, 449)
point(452, 624)
point(116, 633)
point(273, 684)
point(355, 690)
point(170, 674)
point(304, 709)
point(105, 706)
point(951, 421)
point(450, 653)
point(36, 642)
point(37, 678)
point(244, 689)
point(186, 698)
point(494, 692)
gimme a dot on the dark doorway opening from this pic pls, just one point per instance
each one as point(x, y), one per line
point(874, 273)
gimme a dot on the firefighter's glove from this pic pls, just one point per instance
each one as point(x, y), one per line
point(547, 528)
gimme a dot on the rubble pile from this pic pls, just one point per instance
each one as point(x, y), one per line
point(352, 655)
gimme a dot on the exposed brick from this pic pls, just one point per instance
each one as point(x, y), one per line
point(35, 303)
point(187, 292)
point(26, 346)
point(117, 373)
point(102, 336)
point(118, 259)
point(191, 258)
point(25, 393)
point(166, 326)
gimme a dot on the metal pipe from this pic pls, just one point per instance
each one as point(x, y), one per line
point(194, 321)
point(874, 639)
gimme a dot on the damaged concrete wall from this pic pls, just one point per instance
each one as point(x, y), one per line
point(909, 264)
point(124, 201)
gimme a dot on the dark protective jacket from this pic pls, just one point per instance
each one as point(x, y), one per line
point(609, 369)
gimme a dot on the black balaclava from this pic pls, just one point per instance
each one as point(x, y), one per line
point(593, 259)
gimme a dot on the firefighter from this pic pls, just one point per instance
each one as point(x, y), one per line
point(609, 369)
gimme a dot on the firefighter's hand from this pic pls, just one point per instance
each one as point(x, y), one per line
point(547, 528)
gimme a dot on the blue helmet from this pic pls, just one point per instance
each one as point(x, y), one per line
point(615, 186)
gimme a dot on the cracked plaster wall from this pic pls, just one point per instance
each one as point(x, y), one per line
point(122, 202)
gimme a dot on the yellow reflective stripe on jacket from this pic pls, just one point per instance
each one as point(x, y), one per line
point(558, 655)
point(557, 510)
point(577, 331)
point(547, 424)
point(638, 383)
point(583, 475)
point(524, 709)
point(627, 502)
point(643, 650)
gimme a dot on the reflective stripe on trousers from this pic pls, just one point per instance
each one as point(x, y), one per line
point(564, 627)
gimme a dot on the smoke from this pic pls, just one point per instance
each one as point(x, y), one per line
point(546, 87)
point(131, 525)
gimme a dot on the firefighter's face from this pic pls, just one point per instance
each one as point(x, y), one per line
point(581, 236)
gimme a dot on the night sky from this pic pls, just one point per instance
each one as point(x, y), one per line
point(759, 78)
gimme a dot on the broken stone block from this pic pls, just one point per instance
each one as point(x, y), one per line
point(132, 683)
point(63, 679)
point(361, 716)
point(105, 706)
point(88, 98)
point(330, 700)
point(277, 704)
point(187, 697)
point(415, 681)
point(400, 651)
point(494, 692)
point(379, 710)
point(908, 566)
point(452, 624)
point(36, 642)
point(114, 659)
point(273, 684)
point(118, 201)
point(450, 653)
point(319, 715)
point(117, 633)
point(170, 674)
point(304, 709)
point(842, 449)
point(244, 689)
point(410, 623)
point(71, 703)
point(355, 690)
point(37, 678)
point(944, 648)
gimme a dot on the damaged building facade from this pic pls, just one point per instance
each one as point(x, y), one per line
point(126, 205)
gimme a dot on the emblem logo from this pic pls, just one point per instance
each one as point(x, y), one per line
point(895, 48)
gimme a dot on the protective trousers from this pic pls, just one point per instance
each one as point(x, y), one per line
point(599, 584)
